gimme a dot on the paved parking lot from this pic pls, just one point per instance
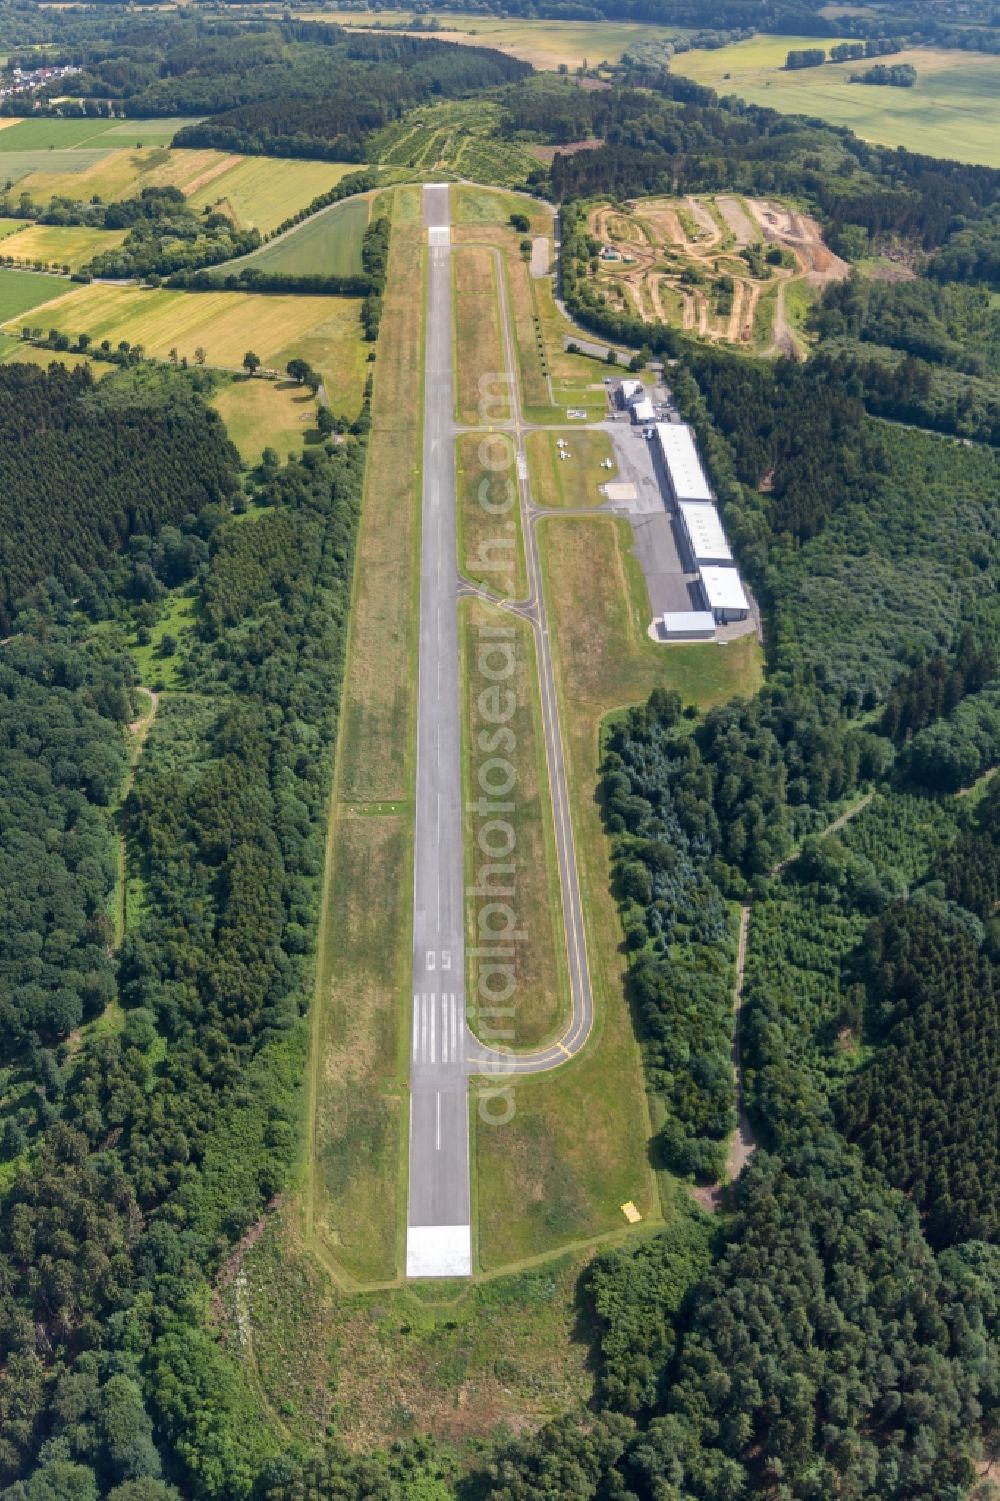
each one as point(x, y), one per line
point(670, 575)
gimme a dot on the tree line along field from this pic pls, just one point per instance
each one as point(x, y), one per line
point(718, 266)
point(258, 192)
point(953, 108)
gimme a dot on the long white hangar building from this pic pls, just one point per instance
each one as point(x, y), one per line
point(721, 586)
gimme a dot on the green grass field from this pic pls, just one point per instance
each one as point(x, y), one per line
point(20, 291)
point(55, 245)
point(16, 352)
point(571, 481)
point(355, 1176)
point(576, 1148)
point(953, 109)
point(456, 1362)
point(490, 544)
point(328, 244)
point(65, 135)
point(540, 1001)
point(263, 414)
point(66, 167)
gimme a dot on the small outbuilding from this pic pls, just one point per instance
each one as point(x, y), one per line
point(643, 411)
point(629, 391)
point(688, 625)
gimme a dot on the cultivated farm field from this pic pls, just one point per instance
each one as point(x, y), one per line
point(326, 331)
point(262, 192)
point(544, 43)
point(50, 133)
point(61, 245)
point(328, 244)
point(953, 108)
point(258, 192)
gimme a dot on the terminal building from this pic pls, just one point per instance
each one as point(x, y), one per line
point(724, 594)
point(685, 476)
point(704, 533)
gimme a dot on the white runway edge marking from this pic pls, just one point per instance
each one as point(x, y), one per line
point(438, 1125)
point(438, 1251)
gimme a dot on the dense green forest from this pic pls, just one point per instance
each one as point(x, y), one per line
point(161, 1130)
point(86, 470)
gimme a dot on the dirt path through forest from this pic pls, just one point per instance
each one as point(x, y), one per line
point(742, 1143)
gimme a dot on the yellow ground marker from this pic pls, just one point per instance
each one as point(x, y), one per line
point(631, 1213)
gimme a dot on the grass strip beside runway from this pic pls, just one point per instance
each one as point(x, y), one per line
point(355, 1189)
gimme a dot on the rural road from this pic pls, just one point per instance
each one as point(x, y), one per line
point(438, 1234)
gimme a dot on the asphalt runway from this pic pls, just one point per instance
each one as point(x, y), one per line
point(438, 1236)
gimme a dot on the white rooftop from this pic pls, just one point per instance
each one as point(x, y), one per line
point(631, 388)
point(704, 529)
point(643, 411)
point(723, 589)
point(688, 622)
point(680, 455)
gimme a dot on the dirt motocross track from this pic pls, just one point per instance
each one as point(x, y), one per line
point(666, 258)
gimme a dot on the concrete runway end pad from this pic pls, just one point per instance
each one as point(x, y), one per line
point(438, 1251)
point(439, 234)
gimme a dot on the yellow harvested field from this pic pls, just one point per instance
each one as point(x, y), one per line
point(122, 174)
point(261, 192)
point(58, 246)
point(224, 324)
point(255, 191)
